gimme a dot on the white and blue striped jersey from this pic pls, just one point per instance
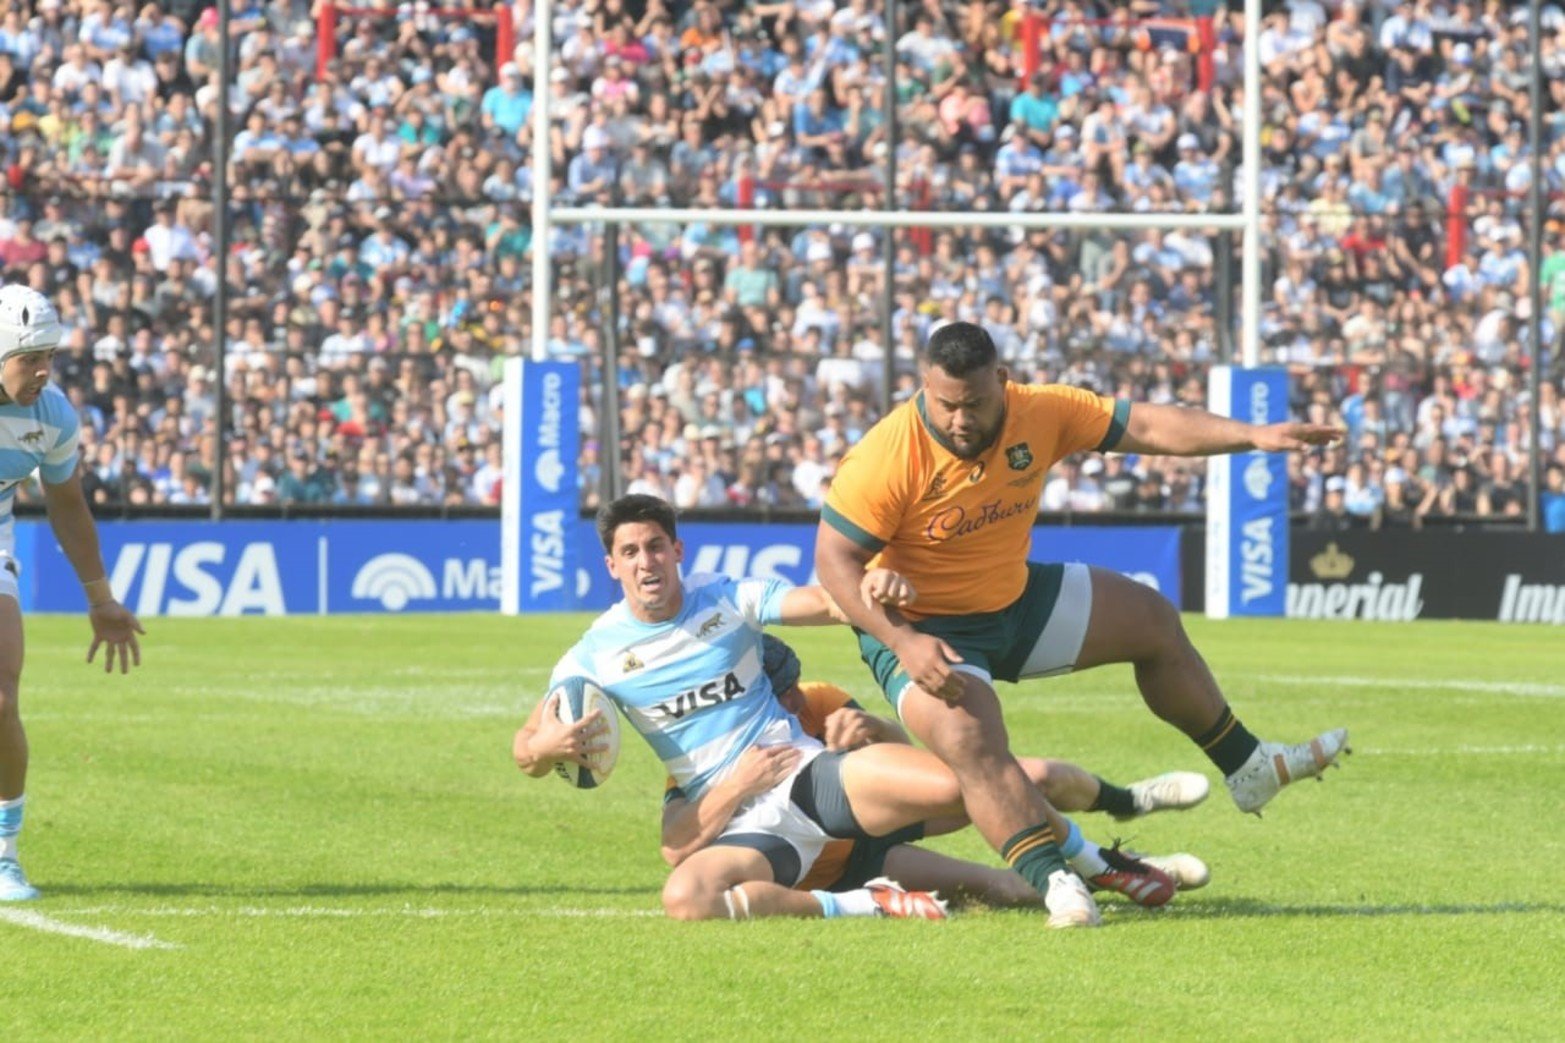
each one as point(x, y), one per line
point(692, 685)
point(41, 437)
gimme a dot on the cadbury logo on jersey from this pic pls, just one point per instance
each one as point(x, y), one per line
point(959, 521)
point(713, 693)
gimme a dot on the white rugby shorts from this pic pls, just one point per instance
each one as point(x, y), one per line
point(10, 568)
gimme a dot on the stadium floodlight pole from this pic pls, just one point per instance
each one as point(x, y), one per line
point(888, 247)
point(543, 176)
point(1223, 279)
point(220, 236)
point(613, 480)
point(1027, 220)
point(1535, 263)
point(1250, 259)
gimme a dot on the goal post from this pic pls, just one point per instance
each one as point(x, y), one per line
point(515, 545)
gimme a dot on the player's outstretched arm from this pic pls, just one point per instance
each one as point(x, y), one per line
point(690, 825)
point(545, 740)
point(814, 606)
point(809, 606)
point(1182, 431)
point(840, 563)
point(113, 625)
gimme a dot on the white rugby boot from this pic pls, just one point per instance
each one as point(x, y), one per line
point(1273, 766)
point(1069, 902)
point(1186, 870)
point(1170, 791)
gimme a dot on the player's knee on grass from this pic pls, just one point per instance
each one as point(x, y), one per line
point(688, 896)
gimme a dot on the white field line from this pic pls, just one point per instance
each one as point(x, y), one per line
point(326, 912)
point(425, 702)
point(49, 925)
point(1532, 689)
point(1464, 751)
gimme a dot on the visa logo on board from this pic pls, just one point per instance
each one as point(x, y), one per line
point(199, 579)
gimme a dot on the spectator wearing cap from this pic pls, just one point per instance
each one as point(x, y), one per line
point(1195, 175)
point(202, 49)
point(505, 107)
point(593, 173)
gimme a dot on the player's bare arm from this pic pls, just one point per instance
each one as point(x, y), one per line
point(815, 606)
point(690, 825)
point(810, 606)
point(113, 625)
point(1182, 431)
point(841, 565)
point(545, 740)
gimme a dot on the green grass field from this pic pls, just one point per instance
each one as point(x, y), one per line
point(311, 828)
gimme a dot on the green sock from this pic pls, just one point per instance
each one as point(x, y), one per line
point(1034, 854)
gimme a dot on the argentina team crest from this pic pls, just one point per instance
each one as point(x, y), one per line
point(1019, 456)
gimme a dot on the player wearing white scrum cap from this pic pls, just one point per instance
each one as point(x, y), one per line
point(38, 432)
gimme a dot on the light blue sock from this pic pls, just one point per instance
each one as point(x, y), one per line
point(1071, 846)
point(10, 825)
point(828, 903)
point(1083, 855)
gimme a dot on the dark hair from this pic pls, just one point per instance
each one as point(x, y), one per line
point(636, 507)
point(961, 348)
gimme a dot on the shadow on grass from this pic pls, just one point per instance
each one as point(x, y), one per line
point(390, 888)
point(1247, 908)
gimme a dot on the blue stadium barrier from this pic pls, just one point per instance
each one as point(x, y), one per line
point(193, 568)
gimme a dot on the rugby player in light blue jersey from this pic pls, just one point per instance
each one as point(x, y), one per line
point(38, 432)
point(682, 660)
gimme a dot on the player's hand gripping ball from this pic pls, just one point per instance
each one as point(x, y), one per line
point(578, 698)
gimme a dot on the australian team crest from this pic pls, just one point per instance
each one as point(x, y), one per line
point(1019, 456)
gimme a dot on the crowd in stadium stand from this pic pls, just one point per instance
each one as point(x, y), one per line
point(380, 265)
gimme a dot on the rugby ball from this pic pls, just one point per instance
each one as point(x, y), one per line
point(579, 697)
